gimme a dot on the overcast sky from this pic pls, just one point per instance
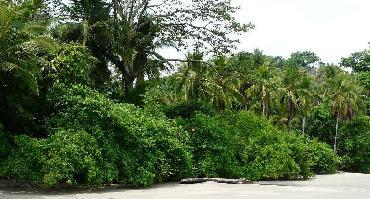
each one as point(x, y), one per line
point(331, 28)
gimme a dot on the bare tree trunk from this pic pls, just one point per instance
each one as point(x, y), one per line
point(336, 135)
point(303, 125)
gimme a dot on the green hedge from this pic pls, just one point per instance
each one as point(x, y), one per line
point(244, 145)
point(354, 145)
point(94, 140)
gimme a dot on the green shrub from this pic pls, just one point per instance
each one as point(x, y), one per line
point(189, 109)
point(140, 148)
point(74, 157)
point(354, 145)
point(212, 147)
point(324, 160)
point(26, 160)
point(93, 140)
point(240, 144)
point(5, 146)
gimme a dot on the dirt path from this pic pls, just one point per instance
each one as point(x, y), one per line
point(339, 186)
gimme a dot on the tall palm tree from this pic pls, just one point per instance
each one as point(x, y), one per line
point(288, 91)
point(305, 97)
point(345, 94)
point(265, 82)
point(200, 80)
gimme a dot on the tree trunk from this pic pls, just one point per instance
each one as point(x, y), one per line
point(265, 101)
point(139, 67)
point(129, 86)
point(290, 110)
point(336, 134)
point(303, 125)
point(265, 107)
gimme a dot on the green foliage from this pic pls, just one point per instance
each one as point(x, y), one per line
point(305, 59)
point(189, 109)
point(5, 146)
point(23, 45)
point(355, 145)
point(358, 61)
point(62, 85)
point(26, 160)
point(142, 149)
point(73, 65)
point(74, 157)
point(322, 124)
point(243, 145)
point(324, 160)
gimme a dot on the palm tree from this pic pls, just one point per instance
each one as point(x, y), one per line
point(199, 80)
point(288, 91)
point(265, 82)
point(305, 98)
point(22, 40)
point(345, 96)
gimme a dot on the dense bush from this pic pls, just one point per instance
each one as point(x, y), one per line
point(244, 145)
point(26, 160)
point(74, 157)
point(354, 145)
point(321, 124)
point(5, 146)
point(324, 160)
point(354, 137)
point(189, 109)
point(93, 140)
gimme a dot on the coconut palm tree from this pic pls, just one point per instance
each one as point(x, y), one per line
point(265, 82)
point(305, 97)
point(200, 80)
point(288, 91)
point(345, 95)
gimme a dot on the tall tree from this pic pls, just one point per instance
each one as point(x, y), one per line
point(243, 67)
point(345, 96)
point(288, 96)
point(305, 59)
point(305, 97)
point(22, 46)
point(358, 61)
point(264, 85)
point(138, 28)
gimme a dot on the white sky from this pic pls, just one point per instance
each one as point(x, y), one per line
point(331, 28)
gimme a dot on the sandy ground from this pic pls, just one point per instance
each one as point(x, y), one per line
point(346, 185)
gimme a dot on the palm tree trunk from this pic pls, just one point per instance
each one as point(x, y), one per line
point(290, 110)
point(267, 107)
point(303, 125)
point(336, 134)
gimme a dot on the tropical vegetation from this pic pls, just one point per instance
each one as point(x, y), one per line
point(86, 97)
